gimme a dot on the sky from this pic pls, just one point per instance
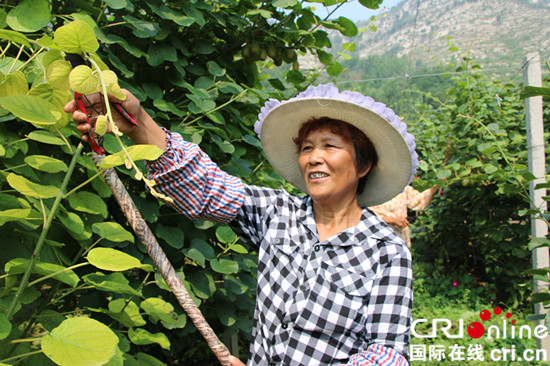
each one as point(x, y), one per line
point(354, 10)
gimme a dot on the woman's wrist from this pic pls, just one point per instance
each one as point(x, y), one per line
point(148, 132)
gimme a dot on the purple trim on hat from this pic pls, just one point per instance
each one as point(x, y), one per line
point(330, 91)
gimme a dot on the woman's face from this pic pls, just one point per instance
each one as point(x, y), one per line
point(328, 164)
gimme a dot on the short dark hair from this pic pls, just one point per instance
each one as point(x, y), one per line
point(365, 154)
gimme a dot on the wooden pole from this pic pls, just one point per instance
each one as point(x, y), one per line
point(535, 148)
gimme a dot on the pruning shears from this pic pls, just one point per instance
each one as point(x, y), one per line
point(95, 141)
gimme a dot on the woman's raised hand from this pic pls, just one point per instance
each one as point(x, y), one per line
point(95, 105)
point(146, 132)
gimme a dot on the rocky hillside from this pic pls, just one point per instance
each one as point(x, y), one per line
point(496, 33)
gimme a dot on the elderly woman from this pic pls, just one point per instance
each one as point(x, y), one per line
point(334, 281)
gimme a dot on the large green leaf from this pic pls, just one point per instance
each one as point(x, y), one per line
point(76, 37)
point(29, 16)
point(46, 163)
point(14, 84)
point(31, 109)
point(28, 188)
point(112, 231)
point(16, 37)
point(172, 235)
point(114, 260)
point(14, 214)
point(114, 282)
point(203, 284)
point(45, 137)
point(80, 341)
point(141, 337)
point(85, 201)
point(126, 312)
point(136, 152)
point(83, 80)
point(158, 309)
point(225, 266)
point(19, 265)
point(225, 234)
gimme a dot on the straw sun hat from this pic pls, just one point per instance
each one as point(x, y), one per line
point(279, 121)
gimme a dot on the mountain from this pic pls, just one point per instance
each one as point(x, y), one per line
point(496, 34)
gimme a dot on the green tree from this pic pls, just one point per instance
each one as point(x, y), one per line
point(475, 230)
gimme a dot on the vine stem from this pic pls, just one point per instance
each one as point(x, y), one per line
point(44, 233)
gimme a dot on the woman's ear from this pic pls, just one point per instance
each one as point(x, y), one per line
point(365, 171)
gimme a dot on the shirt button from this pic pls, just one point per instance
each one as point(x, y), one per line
point(303, 287)
point(285, 325)
point(276, 241)
point(317, 248)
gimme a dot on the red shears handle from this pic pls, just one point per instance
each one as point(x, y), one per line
point(91, 135)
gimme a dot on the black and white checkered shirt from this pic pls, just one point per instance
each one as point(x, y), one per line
point(344, 300)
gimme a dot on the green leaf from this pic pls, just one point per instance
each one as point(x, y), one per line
point(445, 173)
point(225, 266)
point(215, 69)
point(141, 337)
point(46, 163)
point(335, 69)
point(14, 84)
point(225, 234)
point(538, 242)
point(19, 265)
point(114, 260)
point(5, 326)
point(16, 37)
point(204, 247)
point(83, 81)
point(142, 28)
point(533, 91)
point(80, 341)
point(347, 27)
point(238, 248)
point(172, 235)
point(116, 4)
point(29, 16)
point(195, 255)
point(112, 231)
point(126, 312)
point(114, 282)
point(14, 214)
point(31, 109)
point(88, 202)
point(540, 297)
point(285, 3)
point(73, 222)
point(58, 74)
point(45, 137)
point(203, 284)
point(136, 152)
point(160, 310)
point(28, 188)
point(226, 313)
point(76, 37)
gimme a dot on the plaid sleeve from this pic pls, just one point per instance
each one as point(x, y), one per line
point(378, 355)
point(389, 309)
point(253, 216)
point(198, 187)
